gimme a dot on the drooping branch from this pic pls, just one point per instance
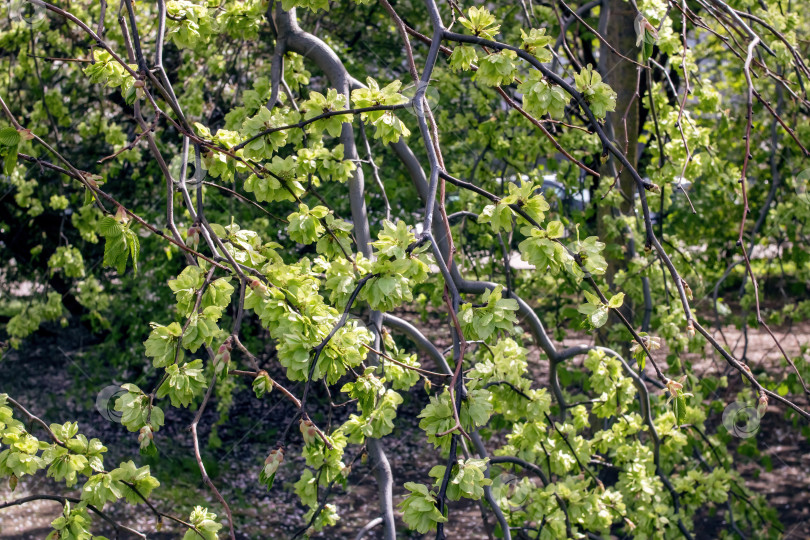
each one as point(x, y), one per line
point(313, 48)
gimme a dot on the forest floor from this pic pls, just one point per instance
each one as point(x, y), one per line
point(38, 378)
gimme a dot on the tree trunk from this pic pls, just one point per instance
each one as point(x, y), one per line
point(617, 25)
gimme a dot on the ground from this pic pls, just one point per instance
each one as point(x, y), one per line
point(37, 377)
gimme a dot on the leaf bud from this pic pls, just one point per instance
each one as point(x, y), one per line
point(309, 431)
point(674, 387)
point(193, 236)
point(762, 405)
point(262, 384)
point(145, 433)
point(273, 460)
point(121, 215)
point(258, 287)
point(687, 289)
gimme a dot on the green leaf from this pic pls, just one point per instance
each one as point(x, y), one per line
point(388, 127)
point(121, 243)
point(305, 225)
point(312, 5)
point(163, 343)
point(480, 22)
point(318, 104)
point(555, 229)
point(540, 97)
point(679, 408)
point(616, 301)
point(463, 57)
point(592, 298)
point(9, 137)
point(466, 479)
point(498, 215)
point(10, 161)
point(599, 95)
point(183, 383)
point(262, 384)
point(498, 313)
point(599, 317)
point(536, 42)
point(597, 314)
point(497, 69)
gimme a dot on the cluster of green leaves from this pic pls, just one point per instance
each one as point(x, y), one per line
point(526, 196)
point(121, 242)
point(419, 508)
point(543, 249)
point(69, 457)
point(537, 42)
point(467, 479)
point(318, 105)
point(107, 70)
point(196, 25)
point(501, 368)
point(596, 311)
point(497, 69)
point(389, 128)
point(139, 413)
point(296, 315)
point(541, 98)
point(399, 266)
point(31, 315)
point(69, 260)
point(600, 96)
point(376, 404)
point(398, 366)
point(183, 383)
point(495, 315)
point(564, 449)
point(205, 524)
point(480, 22)
point(463, 58)
point(330, 468)
point(438, 418)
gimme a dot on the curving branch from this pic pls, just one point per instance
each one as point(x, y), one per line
point(313, 48)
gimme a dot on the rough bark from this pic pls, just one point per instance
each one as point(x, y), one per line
point(617, 25)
